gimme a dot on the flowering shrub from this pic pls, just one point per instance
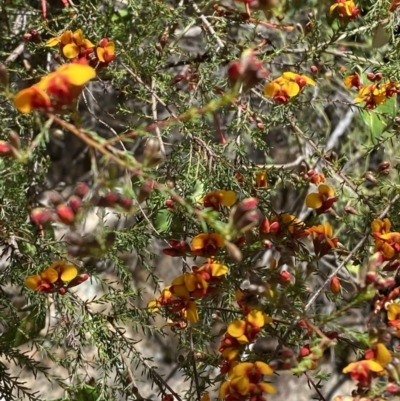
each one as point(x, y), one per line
point(200, 200)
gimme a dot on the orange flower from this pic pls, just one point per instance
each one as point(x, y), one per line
point(53, 278)
point(287, 86)
point(323, 241)
point(56, 90)
point(217, 198)
point(283, 223)
point(72, 44)
point(207, 244)
point(388, 244)
point(345, 9)
point(361, 371)
point(353, 81)
point(323, 200)
point(380, 226)
point(246, 381)
point(245, 331)
point(377, 93)
point(106, 51)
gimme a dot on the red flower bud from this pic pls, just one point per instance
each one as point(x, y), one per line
point(284, 278)
point(349, 209)
point(41, 216)
point(81, 189)
point(65, 214)
point(75, 203)
point(125, 202)
point(169, 203)
point(78, 280)
point(335, 285)
point(314, 69)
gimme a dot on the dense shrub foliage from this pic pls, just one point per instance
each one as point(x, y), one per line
point(199, 200)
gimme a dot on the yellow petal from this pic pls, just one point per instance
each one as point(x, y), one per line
point(268, 319)
point(78, 36)
point(236, 328)
point(224, 390)
point(218, 269)
point(271, 88)
point(66, 37)
point(77, 74)
point(242, 369)
point(190, 281)
point(328, 229)
point(110, 48)
point(373, 366)
point(256, 318)
point(313, 201)
point(241, 384)
point(230, 353)
point(191, 312)
point(291, 88)
point(393, 311)
point(71, 50)
point(33, 282)
point(100, 54)
point(68, 272)
point(53, 41)
point(308, 80)
point(228, 198)
point(267, 388)
point(264, 368)
point(198, 241)
point(50, 275)
point(383, 355)
point(23, 100)
point(181, 292)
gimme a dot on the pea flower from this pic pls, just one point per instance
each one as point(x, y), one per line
point(322, 200)
point(207, 244)
point(344, 9)
point(216, 199)
point(106, 51)
point(245, 380)
point(353, 81)
point(322, 238)
point(53, 278)
point(245, 331)
point(72, 44)
point(56, 90)
point(377, 93)
point(287, 86)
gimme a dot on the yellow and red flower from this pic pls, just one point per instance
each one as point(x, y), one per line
point(56, 90)
point(106, 51)
point(345, 9)
point(322, 200)
point(216, 199)
point(72, 44)
point(322, 238)
point(245, 380)
point(377, 93)
point(53, 278)
point(245, 331)
point(375, 362)
point(353, 81)
point(207, 244)
point(287, 86)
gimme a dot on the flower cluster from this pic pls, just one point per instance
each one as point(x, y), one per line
point(287, 86)
point(374, 94)
point(387, 242)
point(76, 47)
point(178, 300)
point(322, 200)
point(246, 381)
point(344, 9)
point(57, 91)
point(57, 278)
point(245, 377)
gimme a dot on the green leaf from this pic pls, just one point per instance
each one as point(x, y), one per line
point(379, 119)
point(87, 393)
point(28, 327)
point(162, 220)
point(198, 192)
